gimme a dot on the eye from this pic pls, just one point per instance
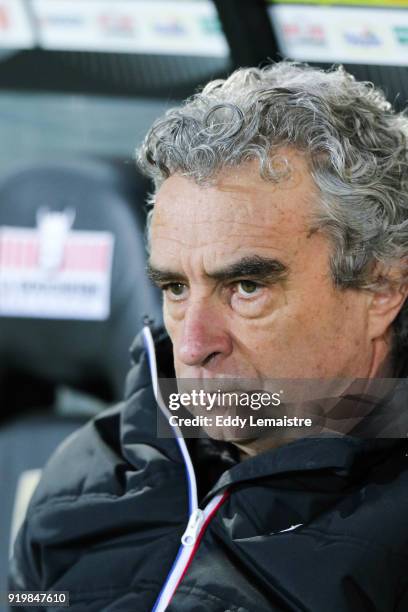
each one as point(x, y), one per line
point(175, 290)
point(248, 288)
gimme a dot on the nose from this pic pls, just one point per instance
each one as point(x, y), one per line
point(204, 336)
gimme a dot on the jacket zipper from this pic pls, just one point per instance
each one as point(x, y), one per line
point(190, 541)
point(198, 518)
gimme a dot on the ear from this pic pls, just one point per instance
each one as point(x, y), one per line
point(384, 307)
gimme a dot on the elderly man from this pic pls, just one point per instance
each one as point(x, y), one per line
point(279, 237)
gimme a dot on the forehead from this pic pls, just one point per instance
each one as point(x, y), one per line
point(238, 209)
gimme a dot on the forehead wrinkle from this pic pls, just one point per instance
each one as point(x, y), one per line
point(216, 222)
point(191, 243)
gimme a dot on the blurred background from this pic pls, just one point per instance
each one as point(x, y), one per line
point(80, 83)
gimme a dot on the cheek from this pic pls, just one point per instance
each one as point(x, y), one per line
point(321, 338)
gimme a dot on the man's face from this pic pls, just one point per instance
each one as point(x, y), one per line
point(247, 286)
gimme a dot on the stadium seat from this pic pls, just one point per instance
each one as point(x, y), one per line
point(73, 294)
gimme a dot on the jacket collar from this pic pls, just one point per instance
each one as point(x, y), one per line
point(339, 456)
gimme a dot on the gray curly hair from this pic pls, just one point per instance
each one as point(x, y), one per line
point(355, 144)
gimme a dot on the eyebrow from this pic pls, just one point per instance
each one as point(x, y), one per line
point(254, 267)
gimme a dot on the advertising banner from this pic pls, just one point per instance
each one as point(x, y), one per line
point(341, 34)
point(155, 26)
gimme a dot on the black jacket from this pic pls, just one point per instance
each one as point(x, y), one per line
point(317, 525)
